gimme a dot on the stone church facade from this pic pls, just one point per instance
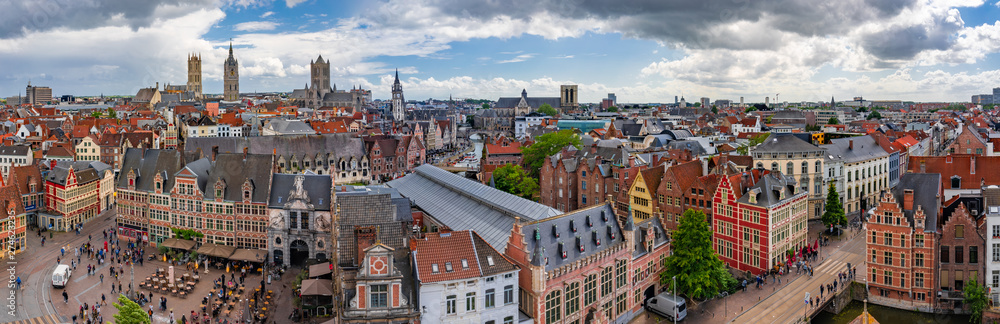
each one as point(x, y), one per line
point(300, 218)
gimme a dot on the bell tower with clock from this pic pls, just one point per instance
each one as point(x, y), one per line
point(231, 79)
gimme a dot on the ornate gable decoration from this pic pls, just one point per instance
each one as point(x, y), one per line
point(220, 189)
point(131, 179)
point(247, 191)
point(298, 192)
point(158, 184)
point(378, 261)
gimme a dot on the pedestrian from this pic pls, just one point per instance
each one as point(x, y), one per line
point(102, 278)
point(65, 297)
point(820, 291)
point(103, 300)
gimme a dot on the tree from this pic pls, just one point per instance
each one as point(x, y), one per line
point(812, 128)
point(112, 113)
point(834, 214)
point(874, 115)
point(975, 297)
point(129, 312)
point(546, 146)
point(833, 121)
point(700, 274)
point(547, 110)
point(697, 104)
point(186, 234)
point(470, 119)
point(486, 106)
point(756, 139)
point(715, 110)
point(514, 180)
point(749, 109)
point(96, 114)
point(612, 109)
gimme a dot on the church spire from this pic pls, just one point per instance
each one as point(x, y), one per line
point(230, 48)
point(397, 76)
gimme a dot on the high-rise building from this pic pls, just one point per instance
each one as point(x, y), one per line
point(705, 102)
point(194, 75)
point(231, 80)
point(398, 103)
point(996, 95)
point(37, 95)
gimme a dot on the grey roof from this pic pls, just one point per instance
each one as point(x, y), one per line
point(925, 194)
point(540, 236)
point(768, 189)
point(785, 143)
point(865, 148)
point(15, 150)
point(630, 129)
point(83, 171)
point(290, 127)
point(341, 145)
point(533, 102)
point(146, 163)
point(200, 169)
point(402, 204)
point(694, 146)
point(317, 188)
point(235, 169)
point(678, 134)
point(659, 235)
point(463, 204)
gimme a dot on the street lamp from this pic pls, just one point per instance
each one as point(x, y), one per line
point(675, 296)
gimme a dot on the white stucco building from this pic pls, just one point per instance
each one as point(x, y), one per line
point(462, 279)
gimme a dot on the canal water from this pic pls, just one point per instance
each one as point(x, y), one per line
point(887, 315)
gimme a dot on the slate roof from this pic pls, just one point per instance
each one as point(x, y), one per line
point(659, 235)
point(19, 150)
point(926, 187)
point(463, 204)
point(403, 213)
point(865, 148)
point(235, 169)
point(290, 127)
point(368, 209)
point(780, 143)
point(317, 188)
point(341, 145)
point(59, 174)
point(768, 188)
point(533, 102)
point(146, 164)
point(544, 245)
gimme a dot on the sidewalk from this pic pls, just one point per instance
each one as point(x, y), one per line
point(726, 309)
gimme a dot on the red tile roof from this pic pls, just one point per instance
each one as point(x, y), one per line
point(442, 248)
point(970, 168)
point(513, 148)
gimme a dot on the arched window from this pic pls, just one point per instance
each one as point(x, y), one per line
point(553, 307)
point(789, 168)
point(805, 167)
point(774, 166)
point(819, 166)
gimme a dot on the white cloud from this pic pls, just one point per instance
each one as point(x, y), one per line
point(293, 3)
point(267, 14)
point(564, 57)
point(519, 58)
point(255, 26)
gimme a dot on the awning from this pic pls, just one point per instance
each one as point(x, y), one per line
point(216, 250)
point(317, 270)
point(252, 255)
point(176, 243)
point(317, 287)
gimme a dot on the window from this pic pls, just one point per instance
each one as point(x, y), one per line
point(620, 272)
point(996, 252)
point(996, 278)
point(944, 253)
point(819, 166)
point(805, 167)
point(572, 297)
point(490, 298)
point(553, 307)
point(887, 238)
point(959, 231)
point(918, 279)
point(508, 320)
point(918, 240)
point(590, 290)
point(887, 278)
point(470, 301)
point(508, 294)
point(774, 166)
point(959, 254)
point(918, 260)
point(450, 304)
point(973, 254)
point(606, 281)
point(379, 296)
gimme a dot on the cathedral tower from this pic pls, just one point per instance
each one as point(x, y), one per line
point(320, 72)
point(231, 79)
point(398, 108)
point(194, 75)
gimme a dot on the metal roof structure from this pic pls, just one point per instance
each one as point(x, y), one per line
point(463, 204)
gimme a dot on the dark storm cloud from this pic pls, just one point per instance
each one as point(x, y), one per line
point(905, 42)
point(20, 16)
point(694, 23)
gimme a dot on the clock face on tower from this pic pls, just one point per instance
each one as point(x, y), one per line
point(379, 265)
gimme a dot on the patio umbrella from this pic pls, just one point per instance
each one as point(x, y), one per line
point(317, 287)
point(317, 270)
point(216, 250)
point(175, 243)
point(252, 255)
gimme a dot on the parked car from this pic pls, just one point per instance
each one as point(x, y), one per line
point(60, 276)
point(668, 305)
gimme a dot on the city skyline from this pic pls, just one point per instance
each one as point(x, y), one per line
point(642, 51)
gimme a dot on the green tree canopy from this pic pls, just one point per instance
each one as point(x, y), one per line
point(186, 234)
point(112, 113)
point(700, 274)
point(486, 106)
point(754, 141)
point(96, 114)
point(612, 109)
point(749, 109)
point(874, 115)
point(547, 110)
point(833, 121)
point(545, 146)
point(812, 128)
point(129, 312)
point(834, 214)
point(975, 297)
point(715, 110)
point(697, 104)
point(515, 180)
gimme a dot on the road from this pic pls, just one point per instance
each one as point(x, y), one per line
point(35, 266)
point(787, 304)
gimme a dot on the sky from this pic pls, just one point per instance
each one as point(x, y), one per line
point(641, 50)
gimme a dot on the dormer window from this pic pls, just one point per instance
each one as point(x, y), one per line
point(956, 182)
point(589, 222)
point(580, 244)
point(465, 264)
point(562, 251)
point(489, 260)
point(434, 268)
point(447, 267)
point(596, 238)
point(572, 226)
point(604, 216)
point(611, 232)
point(555, 230)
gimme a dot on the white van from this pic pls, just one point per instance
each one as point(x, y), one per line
point(667, 305)
point(60, 277)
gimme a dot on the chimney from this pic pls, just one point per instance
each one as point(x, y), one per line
point(850, 144)
point(245, 153)
point(215, 152)
point(907, 199)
